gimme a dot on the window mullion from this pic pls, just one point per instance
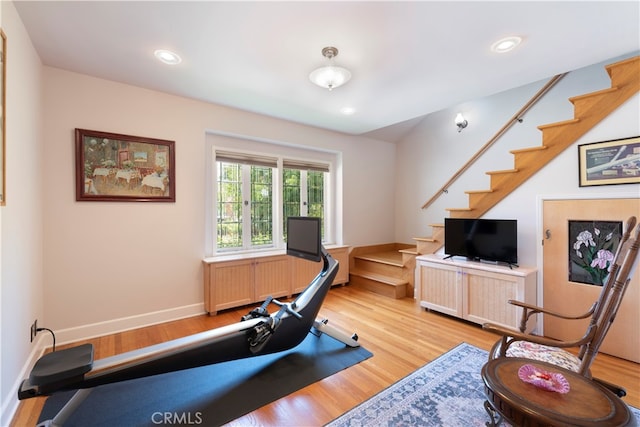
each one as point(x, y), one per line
point(304, 200)
point(246, 206)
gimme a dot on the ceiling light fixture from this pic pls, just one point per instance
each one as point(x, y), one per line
point(506, 44)
point(167, 56)
point(330, 76)
point(461, 122)
point(347, 111)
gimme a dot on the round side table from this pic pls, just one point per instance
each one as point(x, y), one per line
point(587, 404)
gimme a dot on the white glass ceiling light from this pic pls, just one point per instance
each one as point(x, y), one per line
point(330, 76)
point(167, 56)
point(506, 44)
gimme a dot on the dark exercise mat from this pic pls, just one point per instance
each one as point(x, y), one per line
point(210, 395)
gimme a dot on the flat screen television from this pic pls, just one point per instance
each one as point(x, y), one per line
point(304, 237)
point(493, 240)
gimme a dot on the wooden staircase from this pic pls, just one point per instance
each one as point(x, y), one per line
point(384, 269)
point(389, 269)
point(589, 110)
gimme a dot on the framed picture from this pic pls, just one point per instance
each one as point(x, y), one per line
point(3, 114)
point(592, 246)
point(118, 168)
point(610, 162)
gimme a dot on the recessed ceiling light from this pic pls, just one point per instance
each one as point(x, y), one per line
point(347, 111)
point(506, 44)
point(167, 56)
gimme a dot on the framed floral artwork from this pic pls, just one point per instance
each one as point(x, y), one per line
point(593, 245)
point(112, 167)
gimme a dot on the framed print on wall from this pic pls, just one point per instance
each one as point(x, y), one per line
point(3, 115)
point(112, 167)
point(610, 162)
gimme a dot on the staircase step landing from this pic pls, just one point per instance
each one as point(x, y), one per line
point(391, 258)
point(384, 285)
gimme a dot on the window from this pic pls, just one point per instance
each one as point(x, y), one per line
point(256, 194)
point(303, 195)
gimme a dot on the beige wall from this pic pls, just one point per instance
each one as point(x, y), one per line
point(21, 227)
point(106, 261)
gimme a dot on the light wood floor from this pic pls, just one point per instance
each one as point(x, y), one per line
point(401, 336)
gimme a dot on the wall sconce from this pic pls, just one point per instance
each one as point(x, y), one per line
point(461, 122)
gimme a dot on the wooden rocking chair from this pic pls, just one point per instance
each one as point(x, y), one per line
point(602, 314)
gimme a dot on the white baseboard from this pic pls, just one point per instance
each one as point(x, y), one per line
point(65, 336)
point(10, 406)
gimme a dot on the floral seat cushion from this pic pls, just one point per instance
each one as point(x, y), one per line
point(544, 353)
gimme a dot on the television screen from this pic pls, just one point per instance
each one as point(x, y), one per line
point(304, 237)
point(482, 239)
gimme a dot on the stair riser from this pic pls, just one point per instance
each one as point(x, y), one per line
point(429, 247)
point(387, 290)
point(527, 160)
point(582, 105)
point(624, 72)
point(550, 135)
point(378, 268)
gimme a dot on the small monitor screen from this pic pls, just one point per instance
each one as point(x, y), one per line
point(304, 238)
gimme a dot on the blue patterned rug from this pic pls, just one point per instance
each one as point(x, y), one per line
point(446, 392)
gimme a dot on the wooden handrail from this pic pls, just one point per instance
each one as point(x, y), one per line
point(516, 118)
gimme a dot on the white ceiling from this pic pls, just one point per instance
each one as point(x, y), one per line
point(407, 59)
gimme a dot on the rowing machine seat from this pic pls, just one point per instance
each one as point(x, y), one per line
point(58, 366)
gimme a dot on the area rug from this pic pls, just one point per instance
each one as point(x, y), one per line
point(446, 392)
point(210, 395)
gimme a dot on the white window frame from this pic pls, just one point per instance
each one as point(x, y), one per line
point(284, 153)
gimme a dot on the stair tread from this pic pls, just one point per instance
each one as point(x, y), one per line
point(424, 239)
point(393, 281)
point(413, 251)
point(573, 99)
point(478, 191)
point(502, 171)
point(529, 149)
point(562, 123)
point(391, 257)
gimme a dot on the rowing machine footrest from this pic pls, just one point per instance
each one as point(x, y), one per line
point(61, 365)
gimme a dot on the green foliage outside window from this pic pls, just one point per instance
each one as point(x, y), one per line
point(231, 202)
point(229, 205)
point(261, 206)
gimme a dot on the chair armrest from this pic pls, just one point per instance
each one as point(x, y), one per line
point(509, 336)
point(552, 313)
point(529, 310)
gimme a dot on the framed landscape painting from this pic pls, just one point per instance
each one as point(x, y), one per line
point(112, 167)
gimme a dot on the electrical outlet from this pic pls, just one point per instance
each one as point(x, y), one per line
point(34, 329)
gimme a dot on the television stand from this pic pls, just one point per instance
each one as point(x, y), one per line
point(511, 265)
point(474, 291)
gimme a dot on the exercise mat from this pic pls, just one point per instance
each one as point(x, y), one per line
point(210, 395)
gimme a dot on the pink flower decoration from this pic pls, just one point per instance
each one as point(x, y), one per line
point(551, 381)
point(602, 258)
